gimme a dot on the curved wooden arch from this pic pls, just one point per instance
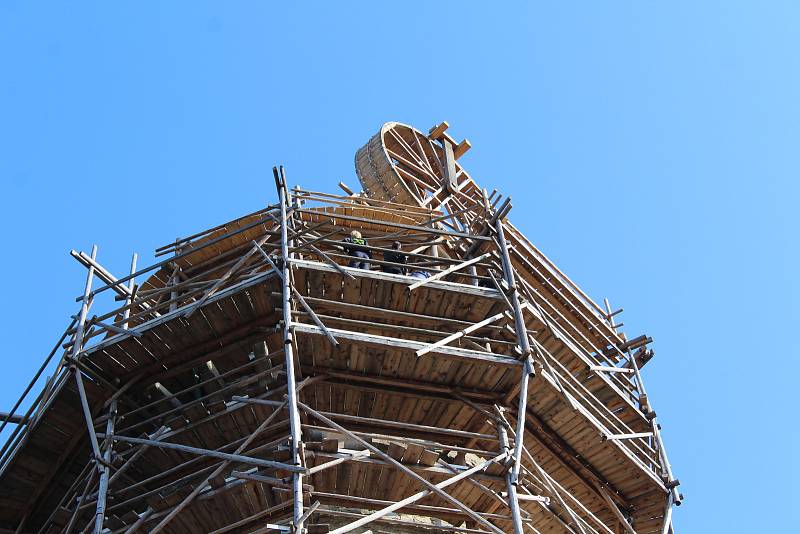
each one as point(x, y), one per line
point(403, 165)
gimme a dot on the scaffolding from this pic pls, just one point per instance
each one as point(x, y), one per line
point(252, 381)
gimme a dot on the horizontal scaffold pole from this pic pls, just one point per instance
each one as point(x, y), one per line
point(208, 452)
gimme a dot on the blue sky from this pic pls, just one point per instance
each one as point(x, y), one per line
point(651, 149)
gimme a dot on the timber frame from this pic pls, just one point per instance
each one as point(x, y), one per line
point(251, 381)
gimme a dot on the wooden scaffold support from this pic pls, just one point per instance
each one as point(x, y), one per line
point(292, 406)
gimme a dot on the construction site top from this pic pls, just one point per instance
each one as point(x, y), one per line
point(358, 352)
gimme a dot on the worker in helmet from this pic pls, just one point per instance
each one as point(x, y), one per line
point(355, 248)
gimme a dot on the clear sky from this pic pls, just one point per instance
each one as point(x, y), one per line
point(651, 149)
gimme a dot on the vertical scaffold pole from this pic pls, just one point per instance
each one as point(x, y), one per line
point(77, 342)
point(131, 285)
point(665, 465)
point(102, 492)
point(173, 279)
point(524, 345)
point(77, 346)
point(513, 500)
point(294, 414)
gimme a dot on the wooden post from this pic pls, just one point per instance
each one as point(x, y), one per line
point(294, 414)
point(513, 501)
point(665, 465)
point(522, 408)
point(100, 511)
point(77, 344)
point(450, 182)
point(173, 280)
point(666, 527)
point(524, 345)
point(508, 272)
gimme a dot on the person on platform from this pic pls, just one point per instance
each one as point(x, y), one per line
point(422, 275)
point(355, 247)
point(397, 257)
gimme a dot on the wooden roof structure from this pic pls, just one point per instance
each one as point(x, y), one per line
point(254, 382)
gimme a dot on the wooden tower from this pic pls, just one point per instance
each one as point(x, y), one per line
point(251, 381)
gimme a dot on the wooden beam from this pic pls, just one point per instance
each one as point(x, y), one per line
point(378, 275)
point(236, 457)
point(462, 148)
point(371, 421)
point(605, 369)
point(348, 458)
point(461, 333)
point(13, 419)
point(322, 214)
point(410, 345)
point(615, 510)
point(449, 181)
point(447, 271)
point(327, 259)
point(346, 189)
point(633, 435)
point(101, 273)
point(437, 131)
